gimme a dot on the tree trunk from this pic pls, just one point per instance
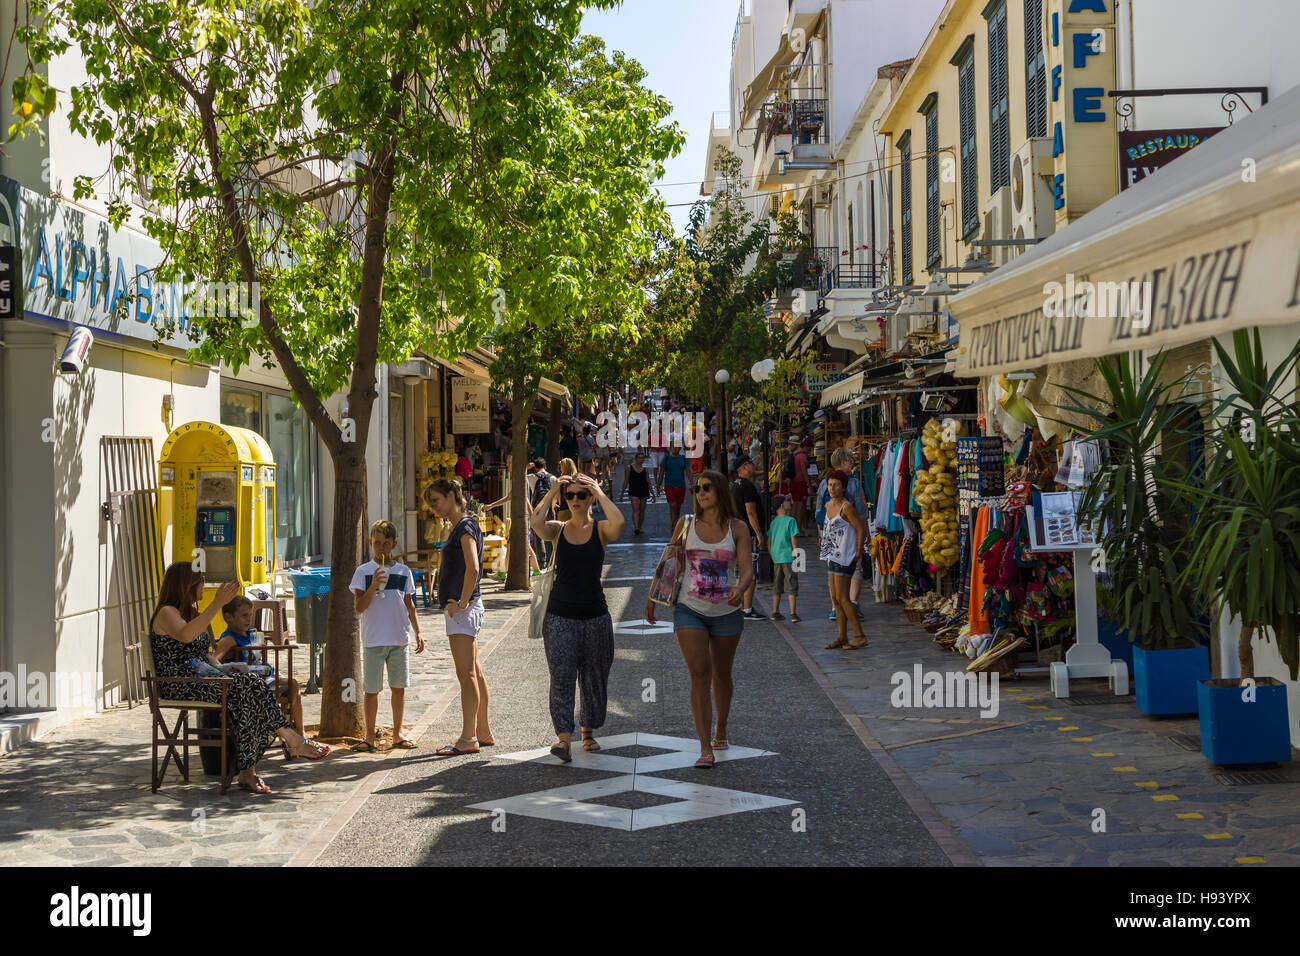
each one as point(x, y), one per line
point(341, 713)
point(1245, 653)
point(553, 437)
point(517, 576)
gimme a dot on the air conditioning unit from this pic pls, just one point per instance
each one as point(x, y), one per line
point(1032, 167)
point(924, 324)
point(822, 195)
point(996, 224)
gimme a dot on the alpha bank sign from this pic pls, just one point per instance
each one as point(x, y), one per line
point(78, 270)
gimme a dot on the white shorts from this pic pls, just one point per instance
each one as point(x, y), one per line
point(469, 621)
point(656, 458)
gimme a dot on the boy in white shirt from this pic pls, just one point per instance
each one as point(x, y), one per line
point(382, 593)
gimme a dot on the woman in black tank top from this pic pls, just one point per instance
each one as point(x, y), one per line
point(636, 482)
point(577, 632)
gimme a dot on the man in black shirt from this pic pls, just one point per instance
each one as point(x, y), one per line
point(750, 506)
point(569, 445)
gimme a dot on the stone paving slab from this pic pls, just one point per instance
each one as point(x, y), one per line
point(80, 794)
point(990, 785)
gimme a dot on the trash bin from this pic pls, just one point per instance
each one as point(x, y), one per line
point(310, 609)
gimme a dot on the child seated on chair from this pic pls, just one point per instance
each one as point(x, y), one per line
point(238, 613)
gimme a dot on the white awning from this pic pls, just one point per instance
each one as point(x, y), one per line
point(842, 391)
point(553, 390)
point(1216, 233)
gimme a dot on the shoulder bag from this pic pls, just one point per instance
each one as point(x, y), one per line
point(667, 582)
point(541, 592)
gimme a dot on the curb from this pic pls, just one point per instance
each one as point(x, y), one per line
point(953, 847)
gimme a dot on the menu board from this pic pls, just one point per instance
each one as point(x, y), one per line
point(1056, 525)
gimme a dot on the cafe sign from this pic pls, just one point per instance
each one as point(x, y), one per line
point(470, 409)
point(1142, 152)
point(1233, 277)
point(822, 376)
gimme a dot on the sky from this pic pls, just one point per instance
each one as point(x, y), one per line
point(685, 48)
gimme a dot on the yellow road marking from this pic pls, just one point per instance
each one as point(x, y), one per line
point(1163, 796)
point(1107, 754)
point(1148, 783)
point(1250, 859)
point(1082, 740)
point(1189, 816)
point(1124, 769)
point(1217, 836)
point(1053, 718)
point(1071, 727)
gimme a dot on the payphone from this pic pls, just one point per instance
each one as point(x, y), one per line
point(216, 502)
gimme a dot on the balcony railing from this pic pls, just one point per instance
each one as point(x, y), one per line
point(808, 268)
point(855, 276)
point(803, 119)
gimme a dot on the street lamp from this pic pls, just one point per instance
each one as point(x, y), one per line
point(722, 377)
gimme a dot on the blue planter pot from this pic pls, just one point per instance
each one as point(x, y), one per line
point(1244, 731)
point(1165, 681)
point(1110, 637)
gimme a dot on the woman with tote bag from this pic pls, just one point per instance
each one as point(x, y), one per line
point(577, 631)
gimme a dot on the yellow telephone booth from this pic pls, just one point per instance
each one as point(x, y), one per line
point(217, 502)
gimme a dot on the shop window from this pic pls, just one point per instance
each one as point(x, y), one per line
point(297, 479)
point(242, 408)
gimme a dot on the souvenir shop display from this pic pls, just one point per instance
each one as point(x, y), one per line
point(936, 493)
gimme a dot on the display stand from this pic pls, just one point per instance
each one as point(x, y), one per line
point(1087, 658)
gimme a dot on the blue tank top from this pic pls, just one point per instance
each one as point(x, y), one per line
point(675, 471)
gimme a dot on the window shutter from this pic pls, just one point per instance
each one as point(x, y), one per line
point(999, 133)
point(969, 161)
point(932, 236)
point(1035, 71)
point(905, 202)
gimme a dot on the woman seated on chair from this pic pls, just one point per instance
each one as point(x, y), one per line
point(178, 633)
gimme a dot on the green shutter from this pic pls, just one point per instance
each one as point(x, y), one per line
point(999, 131)
point(905, 201)
point(1035, 71)
point(970, 218)
point(932, 236)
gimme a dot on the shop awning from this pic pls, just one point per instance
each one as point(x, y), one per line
point(1216, 233)
point(842, 391)
point(553, 390)
point(468, 367)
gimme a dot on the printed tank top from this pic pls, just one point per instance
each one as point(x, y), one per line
point(839, 540)
point(710, 573)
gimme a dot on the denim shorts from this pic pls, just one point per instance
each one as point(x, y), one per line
point(374, 661)
point(725, 625)
point(842, 570)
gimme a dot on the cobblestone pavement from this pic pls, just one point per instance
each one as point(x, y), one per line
point(854, 779)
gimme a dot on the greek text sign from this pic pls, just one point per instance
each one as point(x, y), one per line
point(470, 408)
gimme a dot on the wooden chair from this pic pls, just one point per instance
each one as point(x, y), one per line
point(181, 737)
point(423, 568)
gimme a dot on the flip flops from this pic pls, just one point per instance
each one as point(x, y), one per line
point(705, 763)
point(404, 745)
point(363, 748)
point(451, 750)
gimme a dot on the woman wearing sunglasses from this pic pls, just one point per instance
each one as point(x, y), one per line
point(577, 632)
point(707, 618)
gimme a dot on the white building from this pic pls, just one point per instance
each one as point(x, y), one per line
point(59, 591)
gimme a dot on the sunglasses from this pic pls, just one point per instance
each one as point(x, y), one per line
point(702, 487)
point(580, 495)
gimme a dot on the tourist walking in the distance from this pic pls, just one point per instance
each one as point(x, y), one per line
point(636, 484)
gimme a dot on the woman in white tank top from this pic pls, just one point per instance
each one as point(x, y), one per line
point(707, 617)
point(842, 538)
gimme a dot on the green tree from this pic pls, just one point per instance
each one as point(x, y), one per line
point(570, 252)
point(728, 267)
point(355, 162)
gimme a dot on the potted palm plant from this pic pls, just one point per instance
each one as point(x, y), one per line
point(1142, 523)
point(1245, 548)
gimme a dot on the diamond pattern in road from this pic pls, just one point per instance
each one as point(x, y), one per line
point(693, 801)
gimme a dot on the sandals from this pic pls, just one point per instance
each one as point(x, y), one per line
point(310, 749)
point(720, 743)
point(836, 645)
point(363, 748)
point(855, 646)
point(404, 744)
point(705, 763)
point(589, 742)
point(451, 750)
point(563, 752)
